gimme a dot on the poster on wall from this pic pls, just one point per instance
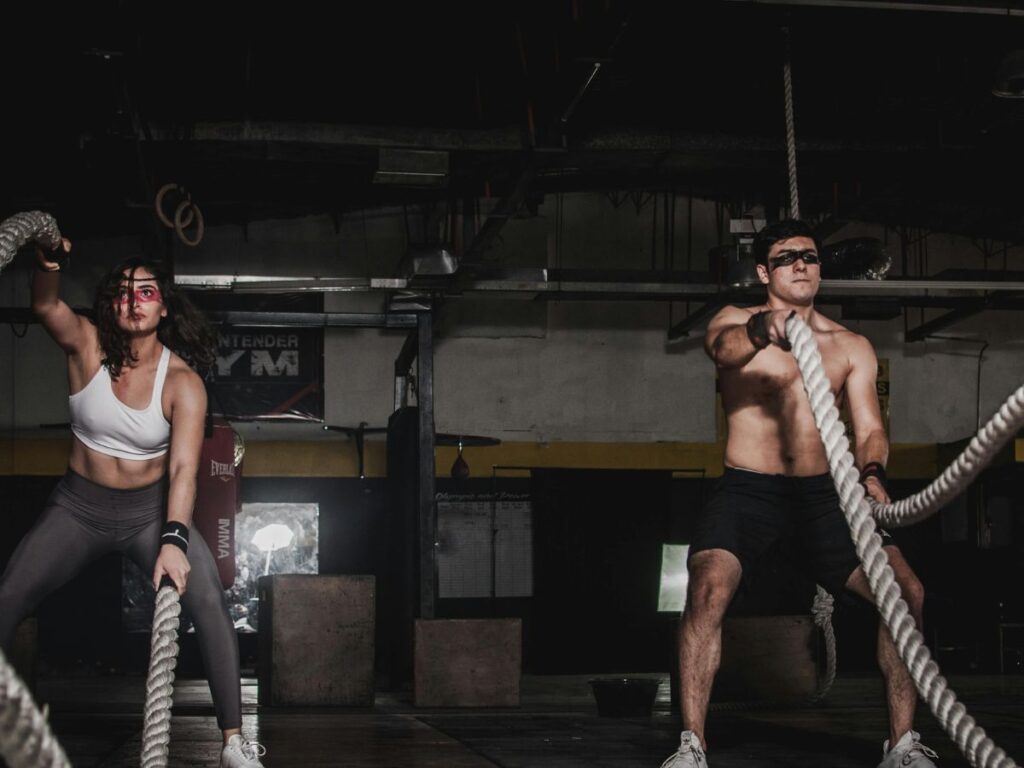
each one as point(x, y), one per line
point(264, 372)
point(268, 373)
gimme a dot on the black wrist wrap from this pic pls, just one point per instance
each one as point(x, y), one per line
point(176, 534)
point(757, 330)
point(876, 470)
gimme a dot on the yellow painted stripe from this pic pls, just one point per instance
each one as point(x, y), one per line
point(323, 458)
point(35, 456)
point(1018, 450)
point(337, 458)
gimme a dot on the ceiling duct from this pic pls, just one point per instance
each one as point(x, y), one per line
point(427, 260)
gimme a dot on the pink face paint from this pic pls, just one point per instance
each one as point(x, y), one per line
point(143, 294)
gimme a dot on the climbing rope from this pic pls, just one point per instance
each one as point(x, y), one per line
point(26, 740)
point(787, 79)
point(823, 601)
point(163, 656)
point(21, 228)
point(979, 750)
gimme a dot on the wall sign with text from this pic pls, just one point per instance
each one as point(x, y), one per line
point(268, 373)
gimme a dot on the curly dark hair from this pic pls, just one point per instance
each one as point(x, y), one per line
point(184, 331)
point(778, 231)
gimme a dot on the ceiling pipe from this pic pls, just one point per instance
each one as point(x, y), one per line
point(989, 10)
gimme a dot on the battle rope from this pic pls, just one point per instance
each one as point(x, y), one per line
point(961, 727)
point(821, 609)
point(163, 656)
point(975, 457)
point(25, 737)
point(21, 228)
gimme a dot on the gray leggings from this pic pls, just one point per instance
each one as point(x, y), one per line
point(81, 522)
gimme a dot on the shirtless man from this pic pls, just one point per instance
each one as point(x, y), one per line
point(776, 482)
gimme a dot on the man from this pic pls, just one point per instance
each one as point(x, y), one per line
point(776, 482)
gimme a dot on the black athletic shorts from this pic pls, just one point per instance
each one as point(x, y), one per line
point(750, 512)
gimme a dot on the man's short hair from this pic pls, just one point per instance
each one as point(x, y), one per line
point(778, 231)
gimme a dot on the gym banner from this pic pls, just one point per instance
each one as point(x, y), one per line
point(268, 373)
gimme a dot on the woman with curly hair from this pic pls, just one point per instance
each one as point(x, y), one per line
point(137, 419)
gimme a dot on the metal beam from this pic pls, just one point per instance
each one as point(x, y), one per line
point(538, 157)
point(427, 508)
point(683, 327)
point(271, 284)
point(502, 212)
point(986, 9)
point(314, 319)
point(403, 363)
point(921, 332)
point(639, 284)
point(373, 136)
point(24, 315)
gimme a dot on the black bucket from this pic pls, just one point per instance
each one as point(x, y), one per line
point(625, 696)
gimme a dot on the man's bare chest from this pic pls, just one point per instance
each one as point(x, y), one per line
point(773, 377)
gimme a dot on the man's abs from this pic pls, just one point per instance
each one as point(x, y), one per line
point(778, 439)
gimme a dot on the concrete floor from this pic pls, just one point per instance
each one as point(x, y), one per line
point(98, 722)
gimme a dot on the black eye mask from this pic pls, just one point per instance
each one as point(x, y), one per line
point(784, 259)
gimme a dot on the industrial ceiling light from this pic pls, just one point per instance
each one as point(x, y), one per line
point(1010, 77)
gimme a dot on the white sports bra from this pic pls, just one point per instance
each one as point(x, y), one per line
point(105, 424)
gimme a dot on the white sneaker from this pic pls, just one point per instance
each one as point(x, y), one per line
point(908, 751)
point(690, 754)
point(239, 753)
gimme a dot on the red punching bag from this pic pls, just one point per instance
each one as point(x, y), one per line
point(218, 496)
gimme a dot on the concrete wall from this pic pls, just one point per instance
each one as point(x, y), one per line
point(592, 371)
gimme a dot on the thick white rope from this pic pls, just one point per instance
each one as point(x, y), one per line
point(21, 228)
point(26, 740)
point(958, 475)
point(163, 656)
point(979, 750)
point(823, 601)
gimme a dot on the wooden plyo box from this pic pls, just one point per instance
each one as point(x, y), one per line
point(765, 658)
point(316, 640)
point(467, 662)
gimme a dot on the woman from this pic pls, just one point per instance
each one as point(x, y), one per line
point(137, 418)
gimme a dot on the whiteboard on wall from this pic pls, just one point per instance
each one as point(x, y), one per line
point(485, 545)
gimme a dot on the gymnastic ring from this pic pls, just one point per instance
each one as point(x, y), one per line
point(180, 223)
point(159, 204)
